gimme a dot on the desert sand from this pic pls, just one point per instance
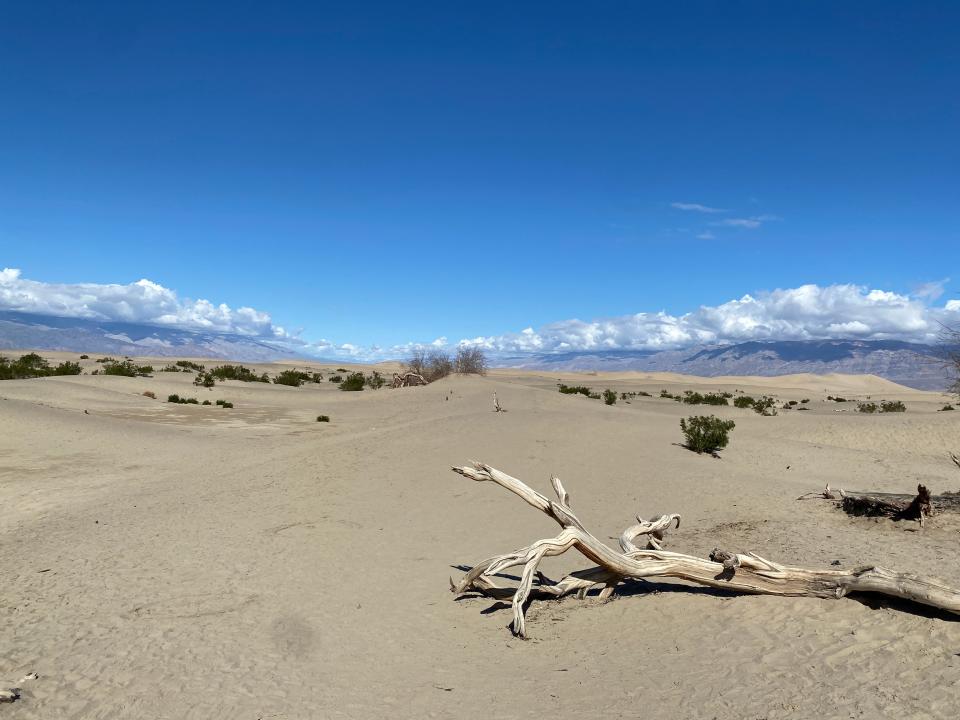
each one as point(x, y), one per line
point(180, 561)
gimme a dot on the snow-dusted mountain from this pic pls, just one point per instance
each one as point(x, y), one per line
point(906, 363)
point(43, 332)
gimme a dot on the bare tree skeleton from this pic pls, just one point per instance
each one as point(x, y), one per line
point(743, 573)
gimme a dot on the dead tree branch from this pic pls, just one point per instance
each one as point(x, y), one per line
point(743, 573)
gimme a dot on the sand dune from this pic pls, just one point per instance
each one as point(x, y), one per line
point(174, 561)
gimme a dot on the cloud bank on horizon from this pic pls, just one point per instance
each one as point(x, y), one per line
point(808, 312)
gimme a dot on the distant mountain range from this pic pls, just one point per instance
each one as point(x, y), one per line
point(910, 364)
point(44, 332)
point(906, 363)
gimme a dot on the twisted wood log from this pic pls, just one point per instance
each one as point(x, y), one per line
point(743, 573)
point(407, 379)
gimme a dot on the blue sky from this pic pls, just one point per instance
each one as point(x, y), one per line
point(386, 173)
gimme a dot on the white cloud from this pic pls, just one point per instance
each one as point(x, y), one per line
point(696, 207)
point(751, 223)
point(706, 235)
point(143, 301)
point(931, 290)
point(808, 312)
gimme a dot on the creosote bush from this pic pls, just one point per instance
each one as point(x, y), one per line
point(866, 407)
point(609, 396)
point(694, 398)
point(706, 433)
point(574, 389)
point(323, 418)
point(84, 357)
point(335, 379)
point(125, 368)
point(888, 406)
point(743, 401)
point(237, 372)
point(374, 380)
point(353, 382)
point(205, 379)
point(765, 406)
point(293, 378)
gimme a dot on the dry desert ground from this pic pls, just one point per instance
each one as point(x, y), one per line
point(181, 561)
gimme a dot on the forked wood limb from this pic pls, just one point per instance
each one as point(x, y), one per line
point(743, 573)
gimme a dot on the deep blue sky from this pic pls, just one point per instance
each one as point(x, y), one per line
point(399, 171)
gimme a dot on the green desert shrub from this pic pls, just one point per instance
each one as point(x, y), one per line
point(694, 398)
point(866, 407)
point(323, 418)
point(125, 368)
point(743, 401)
point(836, 399)
point(892, 406)
point(84, 357)
point(205, 402)
point(170, 367)
point(335, 379)
point(765, 406)
point(668, 395)
point(191, 401)
point(609, 396)
point(293, 378)
point(706, 433)
point(316, 377)
point(205, 379)
point(354, 381)
point(946, 408)
point(375, 380)
point(341, 369)
point(187, 365)
point(238, 372)
point(805, 401)
point(67, 368)
point(174, 398)
point(226, 405)
point(574, 389)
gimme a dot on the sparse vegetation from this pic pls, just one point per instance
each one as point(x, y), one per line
point(341, 369)
point(836, 399)
point(743, 401)
point(150, 394)
point(84, 357)
point(706, 433)
point(188, 365)
point(323, 418)
point(205, 402)
point(353, 382)
point(866, 407)
point(609, 396)
point(889, 406)
point(374, 380)
point(574, 389)
point(946, 408)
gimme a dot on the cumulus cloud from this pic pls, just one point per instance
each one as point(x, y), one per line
point(809, 312)
point(696, 207)
point(143, 301)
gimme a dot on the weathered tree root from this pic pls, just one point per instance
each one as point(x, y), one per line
point(742, 573)
point(871, 506)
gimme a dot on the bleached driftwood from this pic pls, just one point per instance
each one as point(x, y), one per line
point(9, 695)
point(408, 379)
point(825, 494)
point(496, 404)
point(743, 573)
